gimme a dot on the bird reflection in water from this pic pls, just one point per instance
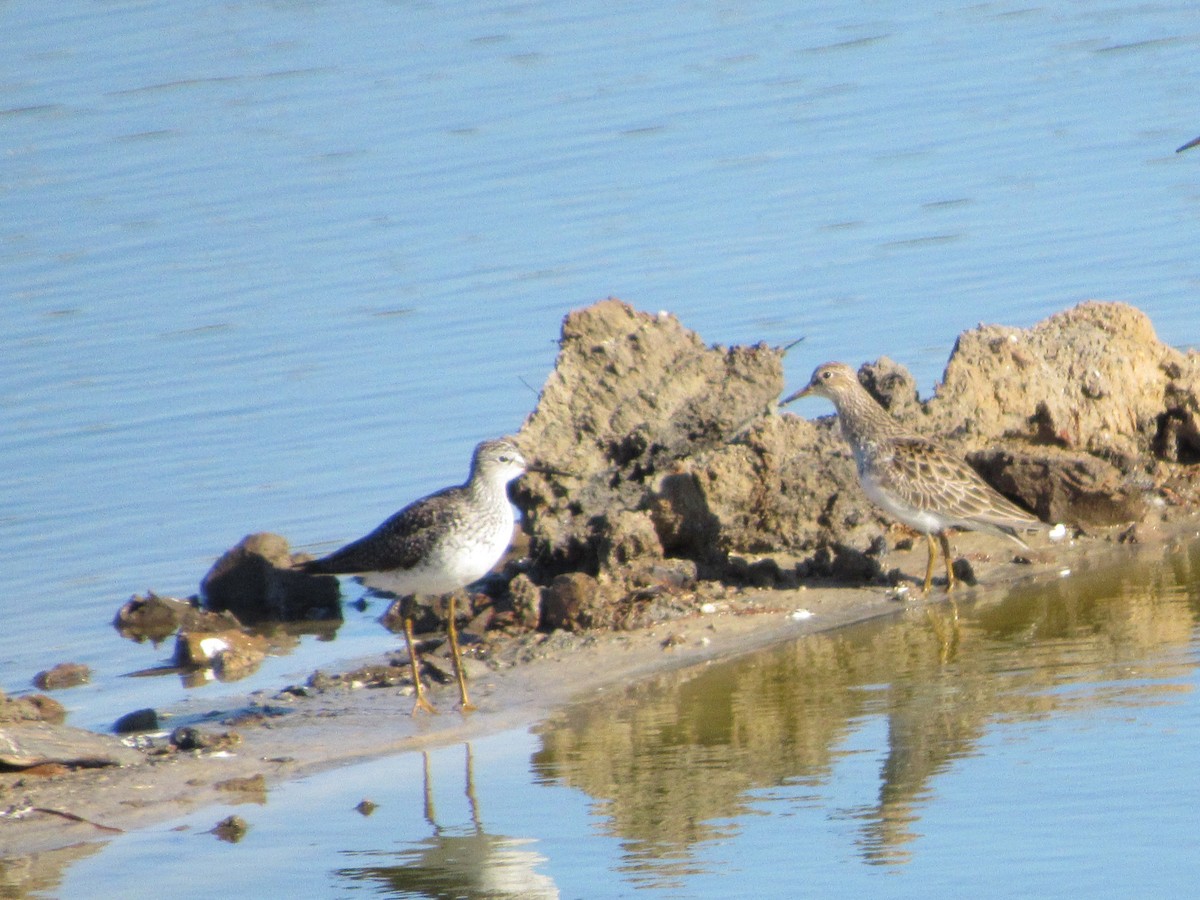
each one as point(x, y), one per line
point(456, 861)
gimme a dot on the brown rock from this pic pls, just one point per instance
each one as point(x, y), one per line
point(572, 601)
point(526, 599)
point(892, 385)
point(152, 617)
point(155, 617)
point(232, 654)
point(64, 675)
point(250, 789)
point(1061, 486)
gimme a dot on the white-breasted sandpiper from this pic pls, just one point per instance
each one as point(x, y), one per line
point(436, 546)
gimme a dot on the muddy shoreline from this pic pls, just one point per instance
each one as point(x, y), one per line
point(697, 524)
point(284, 735)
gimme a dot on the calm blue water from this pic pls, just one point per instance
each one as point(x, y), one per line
point(1043, 747)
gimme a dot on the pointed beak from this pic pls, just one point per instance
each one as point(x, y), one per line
point(803, 392)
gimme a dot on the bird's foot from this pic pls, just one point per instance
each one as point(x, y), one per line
point(423, 705)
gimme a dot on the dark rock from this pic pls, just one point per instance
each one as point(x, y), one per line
point(965, 572)
point(138, 720)
point(190, 738)
point(64, 675)
point(1060, 486)
point(761, 573)
point(256, 582)
point(366, 807)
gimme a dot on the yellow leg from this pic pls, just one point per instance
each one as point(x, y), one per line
point(950, 580)
point(421, 702)
point(452, 633)
point(928, 565)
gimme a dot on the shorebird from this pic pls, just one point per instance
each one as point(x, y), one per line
point(436, 546)
point(912, 478)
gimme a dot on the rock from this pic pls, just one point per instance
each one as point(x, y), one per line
point(138, 720)
point(1060, 486)
point(256, 582)
point(64, 675)
point(232, 653)
point(682, 519)
point(572, 601)
point(31, 708)
point(189, 738)
point(153, 617)
point(28, 744)
point(526, 600)
point(429, 613)
point(366, 807)
point(156, 617)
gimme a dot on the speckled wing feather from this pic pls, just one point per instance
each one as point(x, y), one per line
point(930, 478)
point(400, 542)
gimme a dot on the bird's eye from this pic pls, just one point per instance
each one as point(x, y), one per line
point(826, 375)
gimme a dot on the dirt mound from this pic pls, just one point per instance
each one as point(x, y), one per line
point(679, 457)
point(635, 406)
point(1094, 378)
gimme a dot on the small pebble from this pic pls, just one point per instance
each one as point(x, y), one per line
point(708, 608)
point(1058, 532)
point(800, 615)
point(1064, 572)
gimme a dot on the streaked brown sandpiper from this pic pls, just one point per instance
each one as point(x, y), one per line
point(912, 478)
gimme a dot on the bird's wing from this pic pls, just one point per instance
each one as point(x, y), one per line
point(397, 544)
point(927, 476)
